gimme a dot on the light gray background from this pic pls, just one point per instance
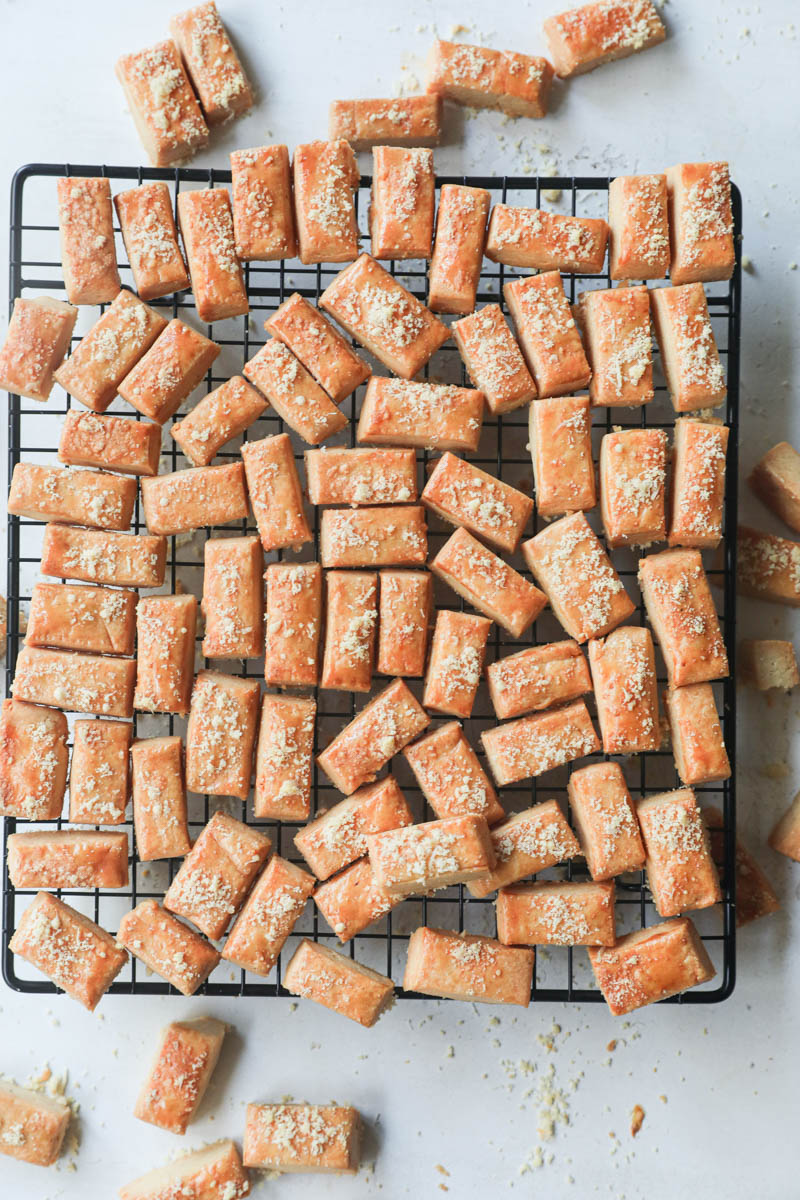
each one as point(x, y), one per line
point(441, 1084)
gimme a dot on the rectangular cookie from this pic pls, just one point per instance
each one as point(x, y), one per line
point(275, 493)
point(319, 346)
point(689, 354)
point(211, 63)
point(284, 758)
point(697, 493)
point(400, 121)
point(402, 202)
point(100, 773)
point(216, 1170)
point(181, 1070)
point(680, 871)
point(167, 947)
point(221, 734)
point(785, 835)
point(534, 238)
point(436, 854)
point(338, 982)
point(462, 494)
point(151, 240)
point(384, 317)
point(380, 730)
point(70, 617)
point(324, 1139)
point(455, 665)
point(37, 338)
point(338, 836)
point(269, 915)
point(681, 611)
point(68, 858)
point(361, 476)
point(697, 741)
point(110, 443)
point(527, 843)
point(493, 359)
point(95, 556)
point(605, 820)
point(547, 333)
point(633, 484)
point(75, 497)
point(216, 874)
point(261, 197)
point(159, 799)
point(488, 583)
point(405, 604)
point(537, 678)
point(701, 222)
point(218, 418)
point(294, 621)
point(72, 951)
point(587, 37)
point(32, 1124)
point(767, 567)
point(516, 84)
point(169, 371)
point(161, 101)
point(619, 346)
point(651, 964)
point(626, 693)
point(775, 479)
point(457, 256)
point(574, 571)
point(351, 619)
point(532, 745)
point(450, 775)
point(110, 349)
point(463, 966)
point(86, 235)
point(755, 896)
point(200, 496)
point(766, 663)
point(638, 220)
point(352, 901)
point(233, 598)
point(435, 416)
point(165, 636)
point(556, 914)
point(205, 218)
point(86, 683)
point(325, 176)
point(393, 535)
point(294, 393)
point(560, 440)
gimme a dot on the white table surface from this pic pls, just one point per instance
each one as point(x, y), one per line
point(436, 1081)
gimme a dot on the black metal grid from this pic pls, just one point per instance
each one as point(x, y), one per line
point(561, 974)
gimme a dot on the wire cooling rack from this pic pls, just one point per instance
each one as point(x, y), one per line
point(560, 974)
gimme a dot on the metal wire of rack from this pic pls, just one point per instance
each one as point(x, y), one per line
point(560, 974)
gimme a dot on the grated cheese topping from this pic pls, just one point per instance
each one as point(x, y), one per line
point(696, 356)
point(705, 213)
point(301, 1131)
point(212, 60)
point(577, 574)
point(700, 485)
point(493, 358)
point(166, 102)
point(610, 26)
point(767, 562)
